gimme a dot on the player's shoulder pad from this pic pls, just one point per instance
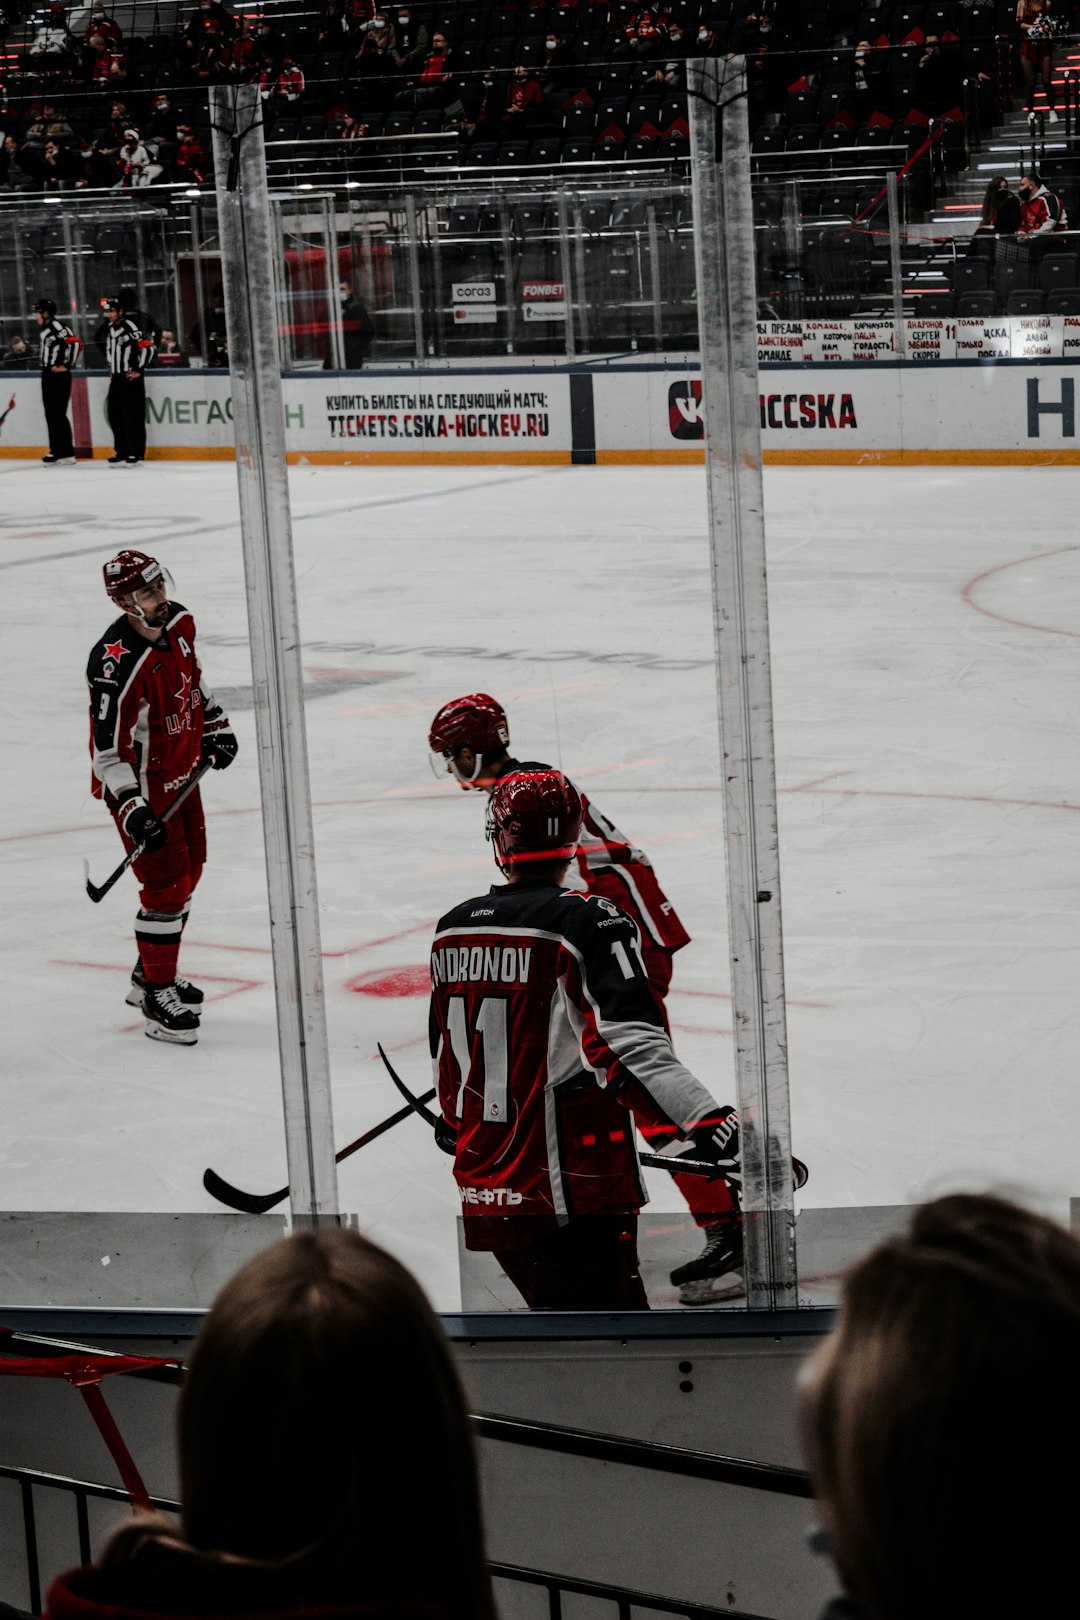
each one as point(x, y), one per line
point(589, 913)
point(463, 913)
point(115, 654)
point(179, 611)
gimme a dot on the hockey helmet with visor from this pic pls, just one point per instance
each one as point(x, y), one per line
point(477, 722)
point(534, 816)
point(131, 571)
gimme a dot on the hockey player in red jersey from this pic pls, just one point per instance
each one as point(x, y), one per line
point(544, 1034)
point(470, 739)
point(152, 721)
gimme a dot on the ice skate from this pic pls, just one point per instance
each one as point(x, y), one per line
point(189, 994)
point(167, 1019)
point(719, 1264)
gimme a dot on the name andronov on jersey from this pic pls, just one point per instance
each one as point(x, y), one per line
point(454, 964)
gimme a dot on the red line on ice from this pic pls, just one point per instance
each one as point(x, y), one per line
point(967, 594)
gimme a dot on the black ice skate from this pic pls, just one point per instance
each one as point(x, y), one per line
point(717, 1273)
point(190, 995)
point(167, 1019)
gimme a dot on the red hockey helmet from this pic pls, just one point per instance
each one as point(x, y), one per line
point(534, 816)
point(477, 722)
point(127, 571)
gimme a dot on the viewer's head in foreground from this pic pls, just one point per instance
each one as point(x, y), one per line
point(322, 1427)
point(941, 1420)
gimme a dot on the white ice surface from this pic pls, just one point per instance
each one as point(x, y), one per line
point(926, 755)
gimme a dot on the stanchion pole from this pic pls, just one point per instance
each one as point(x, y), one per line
point(727, 319)
point(247, 263)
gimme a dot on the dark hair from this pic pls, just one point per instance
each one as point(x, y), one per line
point(991, 199)
point(1034, 176)
point(942, 1419)
point(321, 1395)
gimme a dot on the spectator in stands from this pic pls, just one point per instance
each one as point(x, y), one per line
point(375, 65)
point(289, 83)
point(211, 63)
point(411, 41)
point(709, 42)
point(169, 352)
point(351, 128)
point(16, 357)
point(1000, 210)
point(336, 30)
point(190, 164)
point(208, 11)
point(524, 103)
point(870, 82)
point(136, 169)
point(19, 169)
point(558, 75)
point(975, 1313)
point(670, 72)
point(320, 1392)
point(243, 51)
point(485, 104)
point(51, 48)
point(110, 138)
point(1042, 212)
point(435, 85)
point(161, 125)
point(1036, 51)
point(59, 168)
point(95, 169)
point(645, 34)
point(357, 331)
point(105, 62)
point(104, 26)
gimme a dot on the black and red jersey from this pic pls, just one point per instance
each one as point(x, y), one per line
point(546, 1039)
point(609, 864)
point(147, 702)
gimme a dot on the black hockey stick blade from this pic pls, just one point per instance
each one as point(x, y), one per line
point(680, 1167)
point(259, 1203)
point(99, 891)
point(416, 1103)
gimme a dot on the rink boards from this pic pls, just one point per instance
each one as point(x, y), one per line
point(978, 411)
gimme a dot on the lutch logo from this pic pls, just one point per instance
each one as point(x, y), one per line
point(685, 411)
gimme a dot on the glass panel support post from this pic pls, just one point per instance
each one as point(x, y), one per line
point(335, 329)
point(563, 213)
point(195, 219)
point(655, 291)
point(727, 318)
point(895, 269)
point(415, 285)
point(247, 263)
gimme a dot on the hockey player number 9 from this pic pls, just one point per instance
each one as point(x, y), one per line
point(491, 1027)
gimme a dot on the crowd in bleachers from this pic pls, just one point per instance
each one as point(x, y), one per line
point(82, 104)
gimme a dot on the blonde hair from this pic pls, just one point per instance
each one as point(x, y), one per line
point(941, 1420)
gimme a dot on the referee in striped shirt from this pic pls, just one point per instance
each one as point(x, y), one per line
point(128, 354)
point(60, 349)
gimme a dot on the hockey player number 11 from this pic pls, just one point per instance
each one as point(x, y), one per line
point(491, 1027)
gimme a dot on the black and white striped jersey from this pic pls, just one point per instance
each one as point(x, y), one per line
point(126, 349)
point(59, 345)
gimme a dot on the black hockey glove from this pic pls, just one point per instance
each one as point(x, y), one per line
point(716, 1139)
point(219, 742)
point(446, 1135)
point(139, 823)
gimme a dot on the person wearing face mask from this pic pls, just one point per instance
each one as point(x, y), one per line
point(708, 44)
point(411, 41)
point(1042, 213)
point(485, 104)
point(558, 77)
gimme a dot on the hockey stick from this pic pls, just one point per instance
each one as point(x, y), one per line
point(656, 1161)
point(97, 893)
point(259, 1203)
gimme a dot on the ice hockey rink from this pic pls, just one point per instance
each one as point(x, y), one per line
point(926, 652)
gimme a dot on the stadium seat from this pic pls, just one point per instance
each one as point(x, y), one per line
point(313, 128)
point(482, 154)
point(400, 123)
point(512, 154)
point(641, 147)
point(1010, 278)
point(579, 120)
point(577, 151)
point(975, 306)
point(532, 218)
point(545, 150)
point(464, 219)
point(933, 306)
point(644, 116)
point(1066, 301)
point(1059, 270)
point(971, 275)
point(1026, 302)
point(609, 149)
point(596, 215)
point(674, 147)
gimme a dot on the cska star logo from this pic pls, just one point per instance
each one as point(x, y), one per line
point(115, 650)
